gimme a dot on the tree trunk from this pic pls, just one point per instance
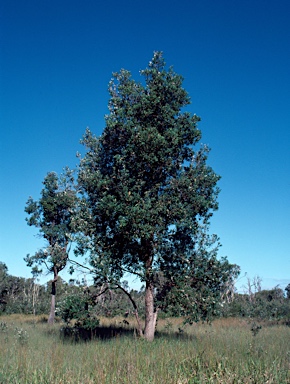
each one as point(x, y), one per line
point(53, 294)
point(150, 312)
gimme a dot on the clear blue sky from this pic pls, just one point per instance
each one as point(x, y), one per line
point(56, 59)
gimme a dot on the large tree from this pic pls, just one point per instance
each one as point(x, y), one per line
point(53, 215)
point(147, 186)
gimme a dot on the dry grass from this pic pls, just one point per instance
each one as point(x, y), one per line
point(225, 352)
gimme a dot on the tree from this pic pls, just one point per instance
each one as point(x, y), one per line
point(3, 285)
point(287, 289)
point(52, 214)
point(147, 190)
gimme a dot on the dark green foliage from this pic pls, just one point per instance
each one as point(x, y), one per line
point(148, 191)
point(142, 176)
point(76, 307)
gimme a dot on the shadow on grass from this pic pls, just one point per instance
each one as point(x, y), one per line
point(78, 334)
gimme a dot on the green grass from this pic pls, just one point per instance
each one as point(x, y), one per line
point(225, 352)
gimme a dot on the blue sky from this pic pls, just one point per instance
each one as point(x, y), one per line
point(56, 59)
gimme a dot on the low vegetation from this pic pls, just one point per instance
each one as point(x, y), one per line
point(228, 351)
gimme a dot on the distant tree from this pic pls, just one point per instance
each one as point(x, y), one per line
point(252, 287)
point(53, 215)
point(3, 271)
point(3, 285)
point(148, 191)
point(275, 293)
point(287, 289)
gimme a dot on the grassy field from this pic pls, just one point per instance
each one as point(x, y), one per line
point(225, 352)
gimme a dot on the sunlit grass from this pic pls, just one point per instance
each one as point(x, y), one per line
point(224, 352)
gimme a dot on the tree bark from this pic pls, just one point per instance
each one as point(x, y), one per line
point(53, 294)
point(150, 312)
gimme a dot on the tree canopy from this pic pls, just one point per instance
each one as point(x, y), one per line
point(147, 189)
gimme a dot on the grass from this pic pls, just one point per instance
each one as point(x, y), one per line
point(225, 352)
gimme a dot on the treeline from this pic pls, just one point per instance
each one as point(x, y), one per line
point(270, 304)
point(76, 300)
point(20, 295)
point(27, 296)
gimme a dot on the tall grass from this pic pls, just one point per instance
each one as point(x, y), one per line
point(225, 352)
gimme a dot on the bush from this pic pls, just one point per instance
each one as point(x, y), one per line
point(76, 307)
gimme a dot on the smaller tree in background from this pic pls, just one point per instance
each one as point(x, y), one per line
point(3, 285)
point(52, 214)
point(287, 289)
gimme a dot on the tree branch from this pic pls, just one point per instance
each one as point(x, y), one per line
point(79, 264)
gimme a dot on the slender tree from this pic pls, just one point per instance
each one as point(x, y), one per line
point(52, 214)
point(146, 187)
point(287, 289)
